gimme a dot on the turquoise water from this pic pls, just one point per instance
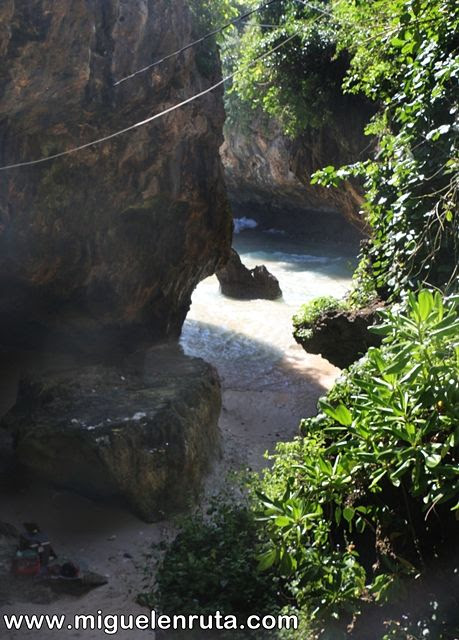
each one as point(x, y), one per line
point(245, 340)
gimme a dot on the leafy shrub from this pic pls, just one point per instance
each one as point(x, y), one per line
point(213, 14)
point(411, 67)
point(212, 565)
point(309, 313)
point(300, 85)
point(363, 292)
point(371, 469)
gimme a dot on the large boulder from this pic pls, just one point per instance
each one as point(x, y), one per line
point(146, 432)
point(105, 246)
point(340, 336)
point(237, 281)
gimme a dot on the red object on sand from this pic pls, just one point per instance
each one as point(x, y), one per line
point(26, 563)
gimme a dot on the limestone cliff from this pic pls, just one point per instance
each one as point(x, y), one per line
point(105, 246)
point(268, 174)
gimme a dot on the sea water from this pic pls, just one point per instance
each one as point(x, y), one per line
point(246, 340)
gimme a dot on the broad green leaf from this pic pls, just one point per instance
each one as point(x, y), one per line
point(348, 513)
point(282, 521)
point(338, 515)
point(379, 329)
point(267, 559)
point(433, 460)
point(412, 373)
point(343, 415)
point(425, 304)
point(340, 413)
point(397, 366)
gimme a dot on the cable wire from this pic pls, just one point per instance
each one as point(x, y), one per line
point(151, 118)
point(194, 43)
point(311, 6)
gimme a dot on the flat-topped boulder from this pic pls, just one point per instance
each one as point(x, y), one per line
point(145, 432)
point(340, 336)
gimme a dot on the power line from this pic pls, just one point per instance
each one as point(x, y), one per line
point(151, 118)
point(312, 6)
point(194, 43)
point(214, 33)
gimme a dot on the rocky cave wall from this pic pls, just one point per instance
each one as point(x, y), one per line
point(105, 246)
point(268, 174)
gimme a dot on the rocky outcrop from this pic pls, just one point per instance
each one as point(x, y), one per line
point(146, 432)
point(268, 174)
point(256, 158)
point(341, 337)
point(104, 247)
point(236, 281)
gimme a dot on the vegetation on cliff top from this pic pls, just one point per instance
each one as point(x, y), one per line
point(402, 55)
point(307, 315)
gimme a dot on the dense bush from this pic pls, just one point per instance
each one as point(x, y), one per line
point(362, 503)
point(301, 83)
point(368, 495)
point(411, 66)
point(212, 565)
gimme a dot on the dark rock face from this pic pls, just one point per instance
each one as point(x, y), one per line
point(342, 337)
point(236, 281)
point(146, 433)
point(105, 246)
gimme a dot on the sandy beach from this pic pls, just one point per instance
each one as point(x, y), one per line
point(115, 543)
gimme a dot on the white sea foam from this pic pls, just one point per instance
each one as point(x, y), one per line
point(276, 232)
point(240, 224)
point(245, 339)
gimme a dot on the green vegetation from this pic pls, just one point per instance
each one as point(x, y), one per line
point(209, 15)
point(364, 502)
point(354, 525)
point(301, 85)
point(403, 56)
point(207, 566)
point(373, 466)
point(309, 313)
point(212, 14)
point(412, 70)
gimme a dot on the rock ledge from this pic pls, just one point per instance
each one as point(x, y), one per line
point(341, 337)
point(146, 433)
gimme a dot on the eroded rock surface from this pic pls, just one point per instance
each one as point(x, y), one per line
point(269, 175)
point(237, 281)
point(146, 432)
point(105, 246)
point(342, 337)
